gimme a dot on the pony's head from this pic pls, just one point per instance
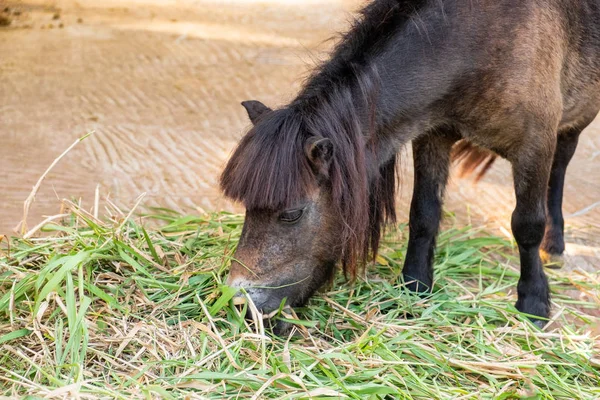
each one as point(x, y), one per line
point(309, 203)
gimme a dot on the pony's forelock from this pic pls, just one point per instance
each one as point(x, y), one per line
point(269, 169)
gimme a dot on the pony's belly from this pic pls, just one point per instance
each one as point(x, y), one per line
point(582, 113)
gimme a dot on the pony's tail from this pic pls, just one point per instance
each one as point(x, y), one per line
point(472, 159)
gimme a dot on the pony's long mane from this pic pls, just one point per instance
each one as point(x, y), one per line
point(269, 169)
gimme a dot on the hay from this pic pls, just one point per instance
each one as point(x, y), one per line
point(106, 308)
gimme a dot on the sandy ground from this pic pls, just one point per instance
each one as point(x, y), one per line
point(160, 81)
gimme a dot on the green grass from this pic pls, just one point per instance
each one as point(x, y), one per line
point(110, 309)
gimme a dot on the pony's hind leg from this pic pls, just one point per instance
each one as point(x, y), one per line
point(553, 244)
point(531, 171)
point(431, 154)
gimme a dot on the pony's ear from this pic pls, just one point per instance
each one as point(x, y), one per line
point(255, 109)
point(319, 151)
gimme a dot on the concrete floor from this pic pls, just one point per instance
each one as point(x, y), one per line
point(160, 83)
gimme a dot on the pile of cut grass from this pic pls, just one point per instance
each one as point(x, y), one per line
point(109, 309)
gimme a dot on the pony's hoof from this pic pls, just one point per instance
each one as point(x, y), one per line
point(554, 261)
point(417, 287)
point(539, 323)
point(279, 328)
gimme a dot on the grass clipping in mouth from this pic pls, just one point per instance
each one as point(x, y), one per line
point(111, 309)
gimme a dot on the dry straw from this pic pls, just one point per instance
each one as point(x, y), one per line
point(105, 308)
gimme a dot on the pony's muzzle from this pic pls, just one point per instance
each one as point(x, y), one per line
point(265, 300)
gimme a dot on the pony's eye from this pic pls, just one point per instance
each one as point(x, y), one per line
point(291, 216)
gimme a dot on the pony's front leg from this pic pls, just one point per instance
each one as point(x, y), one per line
point(431, 154)
point(531, 171)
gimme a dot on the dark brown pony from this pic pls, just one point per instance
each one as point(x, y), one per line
point(514, 78)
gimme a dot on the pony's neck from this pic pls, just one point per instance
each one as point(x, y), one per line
point(385, 86)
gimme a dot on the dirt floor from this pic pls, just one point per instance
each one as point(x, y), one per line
point(159, 82)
